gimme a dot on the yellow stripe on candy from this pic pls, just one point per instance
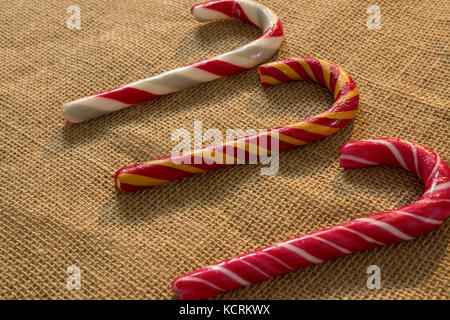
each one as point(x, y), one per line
point(293, 141)
point(138, 180)
point(338, 115)
point(314, 128)
point(213, 154)
point(343, 79)
point(269, 80)
point(349, 95)
point(244, 145)
point(307, 69)
point(288, 71)
point(248, 148)
point(179, 166)
point(326, 72)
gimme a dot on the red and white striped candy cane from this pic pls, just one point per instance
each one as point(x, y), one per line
point(181, 78)
point(406, 223)
point(344, 108)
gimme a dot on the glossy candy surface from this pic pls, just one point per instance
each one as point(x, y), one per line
point(181, 78)
point(405, 223)
point(344, 108)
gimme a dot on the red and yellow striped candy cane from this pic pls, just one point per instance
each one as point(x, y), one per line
point(406, 223)
point(346, 99)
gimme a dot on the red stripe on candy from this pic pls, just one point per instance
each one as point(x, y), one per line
point(230, 8)
point(127, 95)
point(334, 76)
point(347, 105)
point(299, 69)
point(218, 67)
point(316, 68)
point(301, 134)
point(334, 123)
point(275, 73)
point(275, 31)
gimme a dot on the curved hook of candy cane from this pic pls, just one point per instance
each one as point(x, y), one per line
point(241, 150)
point(406, 223)
point(181, 78)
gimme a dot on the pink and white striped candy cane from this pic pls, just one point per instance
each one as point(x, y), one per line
point(181, 78)
point(406, 223)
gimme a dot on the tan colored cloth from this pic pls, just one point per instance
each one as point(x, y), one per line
point(58, 205)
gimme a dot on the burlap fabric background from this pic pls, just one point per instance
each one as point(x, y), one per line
point(58, 204)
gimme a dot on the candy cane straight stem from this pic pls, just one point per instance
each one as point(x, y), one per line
point(220, 66)
point(406, 223)
point(346, 99)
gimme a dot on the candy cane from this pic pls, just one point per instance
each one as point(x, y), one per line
point(220, 66)
point(346, 99)
point(406, 223)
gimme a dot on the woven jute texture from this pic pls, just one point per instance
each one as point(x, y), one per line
point(58, 204)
